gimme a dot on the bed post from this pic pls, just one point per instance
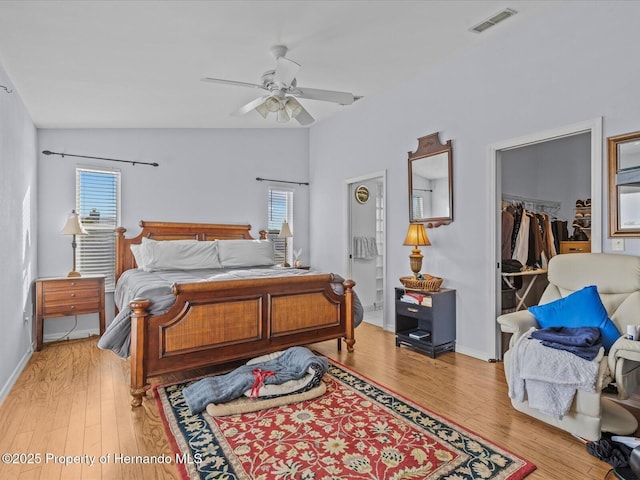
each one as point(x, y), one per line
point(139, 317)
point(120, 266)
point(263, 234)
point(348, 299)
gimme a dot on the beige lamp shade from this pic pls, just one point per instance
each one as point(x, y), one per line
point(285, 231)
point(417, 235)
point(73, 226)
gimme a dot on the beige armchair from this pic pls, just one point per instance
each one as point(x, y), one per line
point(617, 278)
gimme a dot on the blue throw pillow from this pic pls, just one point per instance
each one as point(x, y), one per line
point(580, 309)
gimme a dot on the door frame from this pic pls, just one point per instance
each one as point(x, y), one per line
point(594, 127)
point(347, 228)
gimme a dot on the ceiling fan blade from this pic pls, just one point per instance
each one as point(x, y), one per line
point(343, 98)
point(285, 71)
point(231, 82)
point(249, 106)
point(304, 117)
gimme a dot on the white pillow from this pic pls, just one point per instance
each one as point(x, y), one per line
point(179, 254)
point(246, 253)
point(138, 254)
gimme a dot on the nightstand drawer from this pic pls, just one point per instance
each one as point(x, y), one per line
point(71, 295)
point(68, 285)
point(411, 310)
point(66, 307)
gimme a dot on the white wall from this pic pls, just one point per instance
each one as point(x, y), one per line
point(565, 66)
point(204, 176)
point(558, 170)
point(18, 232)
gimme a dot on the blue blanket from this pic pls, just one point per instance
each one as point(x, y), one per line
point(293, 364)
point(584, 342)
point(578, 336)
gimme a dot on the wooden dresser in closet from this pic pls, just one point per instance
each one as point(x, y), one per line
point(575, 247)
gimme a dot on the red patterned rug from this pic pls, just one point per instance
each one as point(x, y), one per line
point(356, 430)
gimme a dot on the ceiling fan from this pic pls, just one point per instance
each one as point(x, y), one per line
point(282, 92)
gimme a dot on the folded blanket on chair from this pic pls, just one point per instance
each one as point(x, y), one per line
point(548, 378)
point(292, 364)
point(578, 336)
point(586, 353)
point(584, 342)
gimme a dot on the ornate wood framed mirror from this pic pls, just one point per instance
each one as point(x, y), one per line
point(431, 182)
point(624, 185)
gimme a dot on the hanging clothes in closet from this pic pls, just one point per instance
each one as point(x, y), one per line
point(534, 240)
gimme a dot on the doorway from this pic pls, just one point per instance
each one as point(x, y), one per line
point(497, 154)
point(366, 226)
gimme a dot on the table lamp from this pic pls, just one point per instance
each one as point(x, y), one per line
point(416, 236)
point(285, 232)
point(73, 227)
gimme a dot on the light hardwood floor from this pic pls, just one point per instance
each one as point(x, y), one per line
point(72, 399)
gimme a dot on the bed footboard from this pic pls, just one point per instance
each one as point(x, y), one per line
point(218, 322)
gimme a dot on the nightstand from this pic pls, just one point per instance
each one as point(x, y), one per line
point(65, 296)
point(429, 327)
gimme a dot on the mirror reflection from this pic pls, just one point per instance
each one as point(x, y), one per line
point(430, 183)
point(624, 184)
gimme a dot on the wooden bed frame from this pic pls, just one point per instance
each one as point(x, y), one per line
point(218, 322)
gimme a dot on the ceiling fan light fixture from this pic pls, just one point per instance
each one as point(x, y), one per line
point(282, 116)
point(293, 107)
point(273, 104)
point(262, 110)
point(280, 87)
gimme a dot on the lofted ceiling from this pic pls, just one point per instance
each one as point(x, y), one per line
point(138, 64)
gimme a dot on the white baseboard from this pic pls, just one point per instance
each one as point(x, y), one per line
point(376, 322)
point(472, 352)
point(6, 388)
point(54, 337)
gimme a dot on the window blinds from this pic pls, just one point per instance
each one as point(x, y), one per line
point(418, 206)
point(280, 209)
point(98, 202)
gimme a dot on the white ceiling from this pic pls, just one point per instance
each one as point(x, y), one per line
point(128, 64)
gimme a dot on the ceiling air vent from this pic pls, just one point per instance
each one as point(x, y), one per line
point(490, 22)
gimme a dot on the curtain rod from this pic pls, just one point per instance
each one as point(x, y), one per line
point(132, 162)
point(280, 181)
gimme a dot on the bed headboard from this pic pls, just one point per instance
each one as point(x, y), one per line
point(175, 231)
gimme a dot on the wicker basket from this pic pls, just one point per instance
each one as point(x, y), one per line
point(429, 284)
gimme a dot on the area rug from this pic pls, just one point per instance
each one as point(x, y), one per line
point(356, 430)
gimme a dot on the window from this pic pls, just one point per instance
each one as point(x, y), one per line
point(280, 209)
point(98, 202)
point(418, 206)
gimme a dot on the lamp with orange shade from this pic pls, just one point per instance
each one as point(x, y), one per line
point(416, 236)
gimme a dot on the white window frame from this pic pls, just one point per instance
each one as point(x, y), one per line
point(104, 263)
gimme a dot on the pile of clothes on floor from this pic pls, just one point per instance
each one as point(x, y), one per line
point(285, 373)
